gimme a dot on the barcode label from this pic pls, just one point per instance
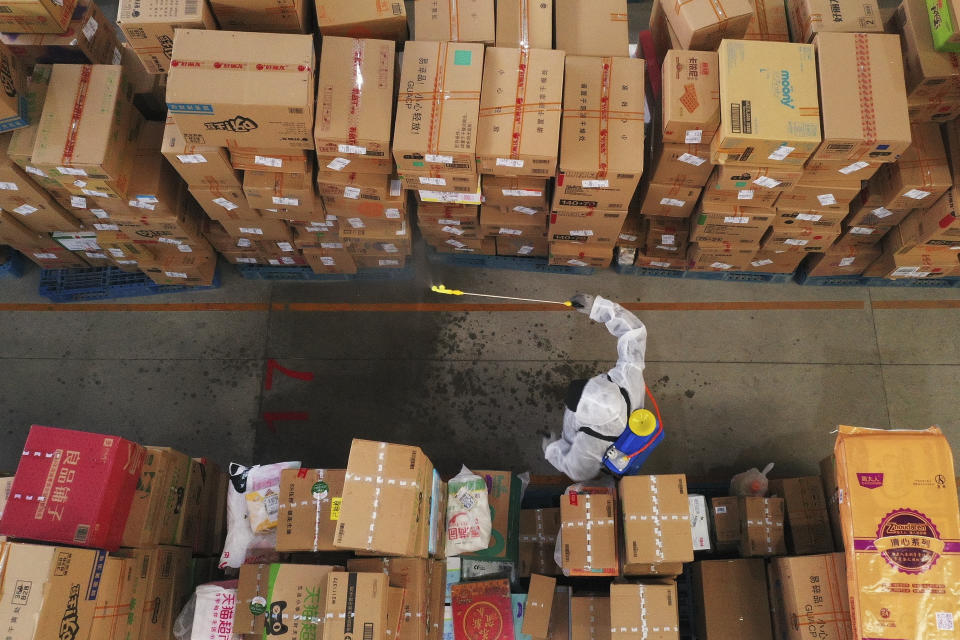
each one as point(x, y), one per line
point(190, 7)
point(367, 631)
point(846, 262)
point(295, 110)
point(736, 126)
point(944, 621)
point(83, 532)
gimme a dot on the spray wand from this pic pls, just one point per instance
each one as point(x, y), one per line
point(439, 288)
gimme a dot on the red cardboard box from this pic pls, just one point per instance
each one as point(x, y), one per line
point(482, 610)
point(73, 487)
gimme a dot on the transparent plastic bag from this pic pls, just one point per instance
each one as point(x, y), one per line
point(263, 495)
point(468, 514)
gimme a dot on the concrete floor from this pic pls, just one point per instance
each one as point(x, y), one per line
point(765, 375)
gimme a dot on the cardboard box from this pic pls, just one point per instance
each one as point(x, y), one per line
point(441, 79)
point(457, 21)
point(331, 257)
point(393, 208)
point(768, 179)
point(844, 261)
point(929, 265)
point(513, 246)
point(589, 531)
point(775, 262)
point(539, 606)
point(245, 106)
point(673, 263)
point(686, 165)
point(809, 17)
point(31, 205)
point(743, 225)
point(920, 176)
point(416, 578)
point(287, 600)
point(598, 161)
point(270, 16)
point(859, 235)
point(266, 159)
point(285, 195)
point(589, 618)
point(224, 203)
point(762, 527)
point(933, 109)
point(828, 476)
point(440, 182)
point(149, 26)
point(869, 74)
point(87, 485)
point(82, 42)
point(768, 22)
point(596, 227)
point(808, 527)
point(538, 537)
point(631, 234)
point(361, 599)
point(198, 165)
point(21, 141)
point(574, 254)
point(829, 197)
point(365, 186)
point(753, 195)
point(778, 80)
point(938, 226)
point(161, 582)
point(642, 611)
point(807, 240)
point(112, 608)
point(310, 502)
point(515, 193)
point(928, 73)
point(521, 141)
point(719, 257)
point(664, 37)
point(656, 523)
point(143, 525)
point(701, 25)
point(592, 28)
point(808, 218)
point(668, 200)
point(361, 19)
point(495, 221)
point(809, 594)
point(525, 24)
point(690, 99)
point(733, 600)
point(726, 523)
point(666, 237)
point(398, 527)
point(36, 16)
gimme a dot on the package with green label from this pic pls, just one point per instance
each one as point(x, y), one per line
point(504, 491)
point(944, 24)
point(309, 509)
point(282, 601)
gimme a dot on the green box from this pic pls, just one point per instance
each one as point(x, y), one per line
point(943, 25)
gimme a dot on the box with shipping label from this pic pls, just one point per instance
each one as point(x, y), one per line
point(858, 236)
point(762, 527)
point(775, 262)
point(802, 239)
point(32, 205)
point(656, 262)
point(495, 221)
point(310, 502)
point(720, 223)
point(148, 26)
point(753, 195)
point(159, 586)
point(920, 176)
point(269, 16)
point(928, 265)
point(224, 203)
point(415, 577)
point(261, 96)
point(726, 523)
point(597, 227)
point(588, 535)
point(394, 207)
point(575, 254)
point(519, 136)
point(668, 200)
point(690, 100)
point(644, 611)
point(350, 19)
point(332, 258)
point(592, 27)
point(808, 527)
point(928, 73)
point(519, 246)
point(779, 81)
point(269, 159)
point(36, 16)
point(285, 601)
point(438, 107)
point(510, 192)
point(656, 523)
point(807, 18)
point(350, 185)
point(360, 600)
point(525, 24)
point(440, 182)
point(732, 598)
point(768, 22)
point(538, 537)
point(766, 179)
point(807, 595)
point(73, 487)
point(845, 261)
point(666, 237)
point(83, 41)
point(701, 25)
point(708, 257)
point(631, 234)
point(686, 165)
point(454, 21)
point(284, 195)
point(197, 164)
point(828, 197)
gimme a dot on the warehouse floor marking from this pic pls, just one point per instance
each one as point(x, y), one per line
point(442, 307)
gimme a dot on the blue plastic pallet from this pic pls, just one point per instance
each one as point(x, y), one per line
point(297, 273)
point(12, 267)
point(105, 283)
point(730, 276)
point(515, 263)
point(801, 277)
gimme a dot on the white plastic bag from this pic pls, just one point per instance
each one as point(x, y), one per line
point(263, 496)
point(209, 613)
point(468, 514)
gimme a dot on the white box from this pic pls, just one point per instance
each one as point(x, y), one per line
point(699, 522)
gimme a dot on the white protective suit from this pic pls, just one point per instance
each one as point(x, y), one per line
point(602, 407)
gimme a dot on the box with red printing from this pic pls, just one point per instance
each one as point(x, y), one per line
point(73, 487)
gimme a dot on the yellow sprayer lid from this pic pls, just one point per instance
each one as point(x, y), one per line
point(642, 422)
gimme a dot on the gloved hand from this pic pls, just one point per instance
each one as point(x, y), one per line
point(582, 302)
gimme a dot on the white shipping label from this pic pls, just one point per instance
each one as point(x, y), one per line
point(25, 209)
point(882, 212)
point(582, 232)
point(331, 245)
point(80, 183)
point(736, 219)
point(917, 194)
point(509, 162)
point(392, 214)
point(944, 621)
point(454, 230)
point(293, 202)
point(226, 204)
point(288, 260)
point(689, 158)
point(846, 262)
point(767, 182)
point(796, 242)
point(390, 248)
point(285, 246)
point(745, 194)
point(45, 256)
point(141, 205)
point(596, 184)
point(862, 231)
point(105, 227)
point(93, 193)
point(809, 217)
point(761, 263)
point(451, 197)
point(116, 253)
point(672, 202)
point(243, 260)
point(184, 248)
point(9, 186)
point(35, 171)
point(191, 158)
point(90, 29)
point(720, 509)
point(252, 231)
point(577, 263)
point(525, 249)
point(100, 213)
point(273, 261)
point(338, 164)
point(175, 274)
point(72, 171)
point(349, 148)
point(395, 187)
point(657, 263)
point(693, 136)
point(78, 202)
point(668, 238)
point(351, 192)
point(243, 243)
point(449, 221)
point(327, 261)
point(456, 243)
point(781, 152)
point(356, 223)
point(628, 237)
point(267, 161)
point(721, 265)
point(905, 271)
point(388, 263)
point(856, 166)
point(432, 157)
point(126, 262)
point(521, 193)
point(436, 182)
point(826, 199)
point(95, 254)
point(526, 210)
point(510, 232)
point(664, 247)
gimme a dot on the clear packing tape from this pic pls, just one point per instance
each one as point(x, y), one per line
point(768, 525)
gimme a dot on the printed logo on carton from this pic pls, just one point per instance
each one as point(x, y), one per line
point(237, 123)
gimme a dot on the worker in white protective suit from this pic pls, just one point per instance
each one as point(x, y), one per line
point(598, 409)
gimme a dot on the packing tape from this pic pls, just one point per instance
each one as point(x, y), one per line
point(524, 24)
point(604, 134)
point(868, 115)
point(79, 101)
point(454, 20)
point(521, 99)
point(353, 115)
point(232, 65)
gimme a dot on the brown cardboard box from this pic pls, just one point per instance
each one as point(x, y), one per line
point(198, 164)
point(364, 19)
point(778, 80)
point(21, 141)
point(362, 597)
point(538, 536)
point(266, 159)
point(664, 37)
point(333, 257)
point(441, 79)
point(365, 186)
point(595, 227)
point(440, 181)
point(674, 263)
point(83, 41)
point(733, 600)
point(701, 25)
point(830, 198)
point(291, 595)
point(848, 260)
point(631, 234)
point(925, 230)
point(514, 139)
point(495, 221)
point(668, 200)
point(589, 531)
point(734, 224)
point(761, 527)
point(921, 175)
point(769, 179)
point(285, 195)
point(149, 26)
point(539, 608)
point(809, 595)
point(454, 21)
point(592, 27)
point(841, 172)
point(36, 16)
point(828, 476)
point(933, 109)
point(145, 519)
point(656, 523)
point(719, 257)
point(32, 206)
point(353, 112)
point(509, 192)
point(264, 100)
point(768, 22)
point(309, 508)
point(803, 239)
point(224, 203)
point(866, 71)
point(690, 99)
point(393, 208)
point(263, 230)
point(808, 527)
point(928, 265)
point(666, 237)
point(161, 580)
point(726, 523)
point(644, 611)
point(928, 73)
point(396, 527)
point(415, 578)
point(270, 16)
point(859, 235)
point(598, 161)
point(482, 246)
point(810, 17)
point(574, 254)
point(448, 213)
point(753, 195)
point(589, 618)
point(775, 262)
point(112, 608)
point(514, 246)
point(525, 24)
point(686, 165)
point(808, 218)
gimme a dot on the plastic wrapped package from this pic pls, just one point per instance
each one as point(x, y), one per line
point(468, 514)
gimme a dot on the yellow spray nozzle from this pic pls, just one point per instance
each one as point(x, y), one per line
point(439, 288)
point(568, 304)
